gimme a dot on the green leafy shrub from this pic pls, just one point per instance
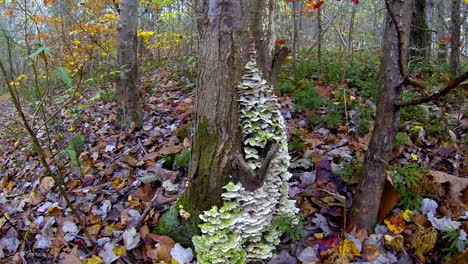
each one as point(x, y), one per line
point(365, 114)
point(406, 180)
point(296, 145)
point(309, 98)
point(333, 120)
point(400, 139)
point(283, 224)
point(363, 127)
point(285, 86)
point(438, 129)
point(75, 147)
point(451, 244)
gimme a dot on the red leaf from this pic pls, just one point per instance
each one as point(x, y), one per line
point(281, 42)
point(447, 39)
point(356, 1)
point(319, 4)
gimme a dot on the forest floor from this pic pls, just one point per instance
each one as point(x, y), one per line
point(118, 175)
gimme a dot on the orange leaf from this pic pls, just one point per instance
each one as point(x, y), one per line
point(317, 5)
point(395, 223)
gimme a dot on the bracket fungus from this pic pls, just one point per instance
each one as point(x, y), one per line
point(241, 229)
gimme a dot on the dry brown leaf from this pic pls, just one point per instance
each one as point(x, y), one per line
point(457, 184)
point(370, 253)
point(46, 184)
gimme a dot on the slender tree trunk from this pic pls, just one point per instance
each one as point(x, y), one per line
point(127, 93)
point(420, 36)
point(319, 34)
point(455, 34)
point(351, 29)
point(369, 191)
point(295, 33)
point(441, 32)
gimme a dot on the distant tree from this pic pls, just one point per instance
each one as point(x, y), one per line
point(441, 31)
point(455, 25)
point(420, 34)
point(127, 92)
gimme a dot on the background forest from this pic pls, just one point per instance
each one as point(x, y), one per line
point(112, 112)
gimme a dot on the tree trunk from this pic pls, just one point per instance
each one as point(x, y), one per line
point(127, 93)
point(219, 145)
point(351, 30)
point(420, 36)
point(369, 191)
point(455, 34)
point(295, 33)
point(319, 35)
point(441, 32)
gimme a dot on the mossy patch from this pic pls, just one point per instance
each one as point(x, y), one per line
point(173, 225)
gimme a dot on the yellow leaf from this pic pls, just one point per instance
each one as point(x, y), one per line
point(2, 2)
point(119, 250)
point(407, 215)
point(414, 157)
point(93, 260)
point(349, 249)
point(49, 2)
point(395, 242)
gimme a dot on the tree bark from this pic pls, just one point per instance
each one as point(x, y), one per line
point(441, 32)
point(319, 35)
point(420, 36)
point(228, 31)
point(455, 34)
point(295, 33)
point(395, 48)
point(127, 92)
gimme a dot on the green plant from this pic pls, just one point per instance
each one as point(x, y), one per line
point(363, 127)
point(406, 180)
point(400, 139)
point(296, 145)
point(309, 98)
point(182, 159)
point(74, 149)
point(438, 129)
point(365, 114)
point(451, 243)
point(350, 171)
point(283, 224)
point(333, 120)
point(416, 112)
point(285, 85)
point(168, 161)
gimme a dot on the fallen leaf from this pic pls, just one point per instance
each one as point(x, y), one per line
point(370, 253)
point(131, 238)
point(107, 253)
point(181, 255)
point(395, 223)
point(46, 185)
point(93, 260)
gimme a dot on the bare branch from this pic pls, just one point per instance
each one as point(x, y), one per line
point(457, 82)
